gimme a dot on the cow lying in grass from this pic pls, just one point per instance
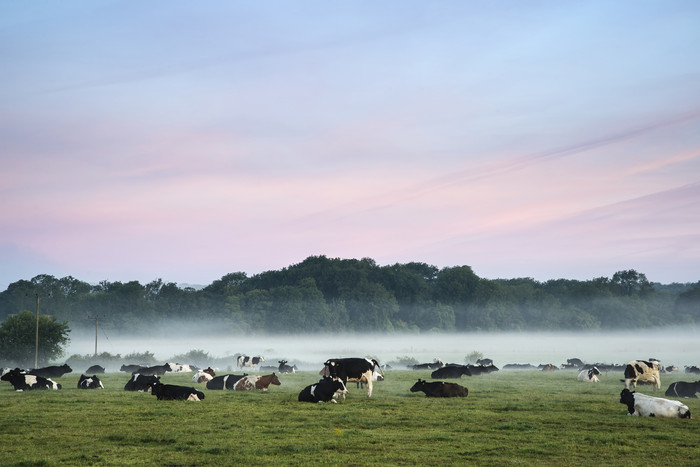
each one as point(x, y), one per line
point(440, 389)
point(683, 389)
point(642, 405)
point(326, 390)
point(171, 392)
point(22, 381)
point(590, 375)
point(90, 382)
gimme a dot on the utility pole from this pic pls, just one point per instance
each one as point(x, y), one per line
point(96, 317)
point(36, 335)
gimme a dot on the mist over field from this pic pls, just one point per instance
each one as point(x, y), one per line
point(677, 346)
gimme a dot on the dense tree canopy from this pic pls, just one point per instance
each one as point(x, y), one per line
point(324, 294)
point(18, 344)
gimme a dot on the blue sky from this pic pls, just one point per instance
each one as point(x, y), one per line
point(182, 141)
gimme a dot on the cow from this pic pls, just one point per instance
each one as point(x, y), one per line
point(23, 381)
point(157, 370)
point(477, 370)
point(692, 369)
point(252, 362)
point(90, 382)
point(519, 366)
point(428, 366)
point(440, 389)
point(181, 368)
point(225, 381)
point(171, 392)
point(451, 372)
point(263, 382)
point(683, 389)
point(352, 369)
point(590, 376)
point(644, 371)
point(324, 391)
point(130, 368)
point(484, 361)
point(284, 368)
point(203, 375)
point(51, 371)
point(95, 369)
point(641, 405)
point(139, 382)
point(669, 369)
point(247, 383)
point(547, 367)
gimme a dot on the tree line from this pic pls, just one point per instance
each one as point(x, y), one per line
point(323, 294)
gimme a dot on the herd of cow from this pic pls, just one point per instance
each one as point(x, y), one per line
point(336, 373)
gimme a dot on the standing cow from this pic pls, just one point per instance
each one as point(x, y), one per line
point(245, 360)
point(643, 371)
point(352, 369)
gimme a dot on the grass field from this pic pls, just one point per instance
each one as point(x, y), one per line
point(510, 417)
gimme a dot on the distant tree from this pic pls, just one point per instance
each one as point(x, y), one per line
point(18, 339)
point(631, 282)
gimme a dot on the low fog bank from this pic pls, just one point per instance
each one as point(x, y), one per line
point(677, 346)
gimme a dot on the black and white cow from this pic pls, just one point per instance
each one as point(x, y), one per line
point(284, 368)
point(245, 360)
point(451, 372)
point(589, 376)
point(327, 389)
point(225, 381)
point(90, 382)
point(683, 389)
point(95, 370)
point(182, 367)
point(642, 405)
point(692, 369)
point(157, 370)
point(51, 371)
point(643, 371)
point(352, 369)
point(139, 382)
point(440, 389)
point(22, 381)
point(172, 392)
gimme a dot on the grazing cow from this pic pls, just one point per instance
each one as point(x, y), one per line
point(642, 405)
point(90, 382)
point(352, 369)
point(247, 383)
point(692, 369)
point(440, 389)
point(203, 376)
point(284, 368)
point(51, 371)
point(640, 370)
point(171, 392)
point(130, 368)
point(157, 370)
point(428, 366)
point(139, 382)
point(683, 389)
point(95, 369)
point(181, 368)
point(263, 382)
point(450, 372)
point(590, 376)
point(22, 381)
point(252, 362)
point(225, 381)
point(323, 391)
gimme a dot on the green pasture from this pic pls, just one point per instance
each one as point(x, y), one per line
point(509, 418)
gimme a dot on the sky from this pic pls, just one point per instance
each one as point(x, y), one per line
point(184, 141)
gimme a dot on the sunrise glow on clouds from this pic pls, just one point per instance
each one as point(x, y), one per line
point(160, 140)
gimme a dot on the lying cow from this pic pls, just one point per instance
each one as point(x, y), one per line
point(95, 370)
point(157, 370)
point(51, 371)
point(130, 368)
point(642, 371)
point(90, 382)
point(139, 382)
point(284, 368)
point(22, 381)
point(224, 381)
point(440, 389)
point(642, 405)
point(428, 366)
point(692, 369)
point(683, 389)
point(171, 392)
point(352, 369)
point(589, 376)
point(326, 390)
point(181, 367)
point(202, 376)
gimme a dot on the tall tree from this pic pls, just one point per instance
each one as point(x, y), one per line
point(18, 339)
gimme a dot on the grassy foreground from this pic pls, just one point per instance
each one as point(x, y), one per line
point(510, 417)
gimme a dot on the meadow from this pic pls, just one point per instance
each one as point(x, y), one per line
point(509, 418)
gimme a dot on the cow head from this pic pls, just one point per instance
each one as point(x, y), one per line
point(627, 398)
point(418, 386)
